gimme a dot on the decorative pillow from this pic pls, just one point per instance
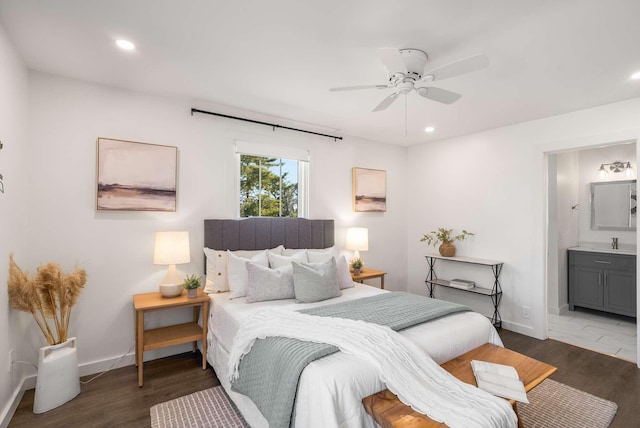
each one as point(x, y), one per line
point(315, 282)
point(237, 272)
point(269, 284)
point(333, 251)
point(344, 274)
point(276, 260)
point(292, 251)
point(217, 261)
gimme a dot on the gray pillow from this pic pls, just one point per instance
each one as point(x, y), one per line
point(269, 284)
point(314, 282)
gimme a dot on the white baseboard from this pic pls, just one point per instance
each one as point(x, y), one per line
point(562, 310)
point(100, 366)
point(12, 405)
point(519, 328)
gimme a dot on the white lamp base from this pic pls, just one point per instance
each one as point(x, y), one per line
point(171, 286)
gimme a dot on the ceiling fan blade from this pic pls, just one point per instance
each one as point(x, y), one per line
point(392, 60)
point(438, 94)
point(457, 68)
point(356, 88)
point(387, 101)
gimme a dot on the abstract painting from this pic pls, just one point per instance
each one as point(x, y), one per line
point(136, 176)
point(369, 190)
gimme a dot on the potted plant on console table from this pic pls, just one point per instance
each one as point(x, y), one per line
point(446, 238)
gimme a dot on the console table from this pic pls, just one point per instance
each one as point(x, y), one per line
point(495, 292)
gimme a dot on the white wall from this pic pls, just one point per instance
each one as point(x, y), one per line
point(13, 134)
point(67, 116)
point(567, 227)
point(494, 183)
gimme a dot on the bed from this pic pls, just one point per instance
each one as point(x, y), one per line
point(330, 389)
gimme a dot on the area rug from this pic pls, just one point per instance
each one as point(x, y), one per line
point(552, 405)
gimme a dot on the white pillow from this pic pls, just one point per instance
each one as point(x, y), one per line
point(292, 251)
point(237, 272)
point(313, 282)
point(276, 260)
point(330, 250)
point(342, 266)
point(269, 284)
point(217, 261)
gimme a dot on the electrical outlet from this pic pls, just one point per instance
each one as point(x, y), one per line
point(526, 312)
point(10, 361)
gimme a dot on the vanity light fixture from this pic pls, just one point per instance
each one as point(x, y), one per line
point(615, 167)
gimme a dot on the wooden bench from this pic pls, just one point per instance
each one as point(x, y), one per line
point(389, 412)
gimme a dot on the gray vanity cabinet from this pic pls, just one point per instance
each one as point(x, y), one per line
point(602, 281)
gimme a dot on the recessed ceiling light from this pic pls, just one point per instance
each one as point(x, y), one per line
point(125, 45)
point(429, 129)
point(636, 75)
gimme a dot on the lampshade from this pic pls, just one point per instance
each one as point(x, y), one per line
point(171, 248)
point(357, 240)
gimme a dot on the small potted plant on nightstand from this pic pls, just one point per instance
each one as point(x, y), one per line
point(191, 284)
point(356, 265)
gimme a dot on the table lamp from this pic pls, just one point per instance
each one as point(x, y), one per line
point(357, 240)
point(171, 248)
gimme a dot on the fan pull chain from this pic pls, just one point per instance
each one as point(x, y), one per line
point(405, 115)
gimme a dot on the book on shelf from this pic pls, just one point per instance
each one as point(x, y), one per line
point(462, 283)
point(500, 380)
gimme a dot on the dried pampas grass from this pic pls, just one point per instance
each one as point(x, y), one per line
point(49, 295)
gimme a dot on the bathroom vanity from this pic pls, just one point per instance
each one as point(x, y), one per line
point(602, 279)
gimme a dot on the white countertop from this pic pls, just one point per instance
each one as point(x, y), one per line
point(597, 249)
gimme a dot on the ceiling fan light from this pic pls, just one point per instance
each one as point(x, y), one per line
point(636, 75)
point(429, 129)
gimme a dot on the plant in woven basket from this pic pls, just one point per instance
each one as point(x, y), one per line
point(446, 238)
point(48, 296)
point(191, 282)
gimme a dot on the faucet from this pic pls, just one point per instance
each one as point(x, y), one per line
point(614, 243)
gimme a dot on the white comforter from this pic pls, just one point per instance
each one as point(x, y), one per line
point(331, 389)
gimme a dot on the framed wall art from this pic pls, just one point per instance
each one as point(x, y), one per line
point(135, 176)
point(369, 190)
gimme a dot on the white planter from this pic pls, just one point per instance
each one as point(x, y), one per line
point(58, 377)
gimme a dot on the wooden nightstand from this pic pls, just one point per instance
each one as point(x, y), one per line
point(368, 273)
point(147, 340)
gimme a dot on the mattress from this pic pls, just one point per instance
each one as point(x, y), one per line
point(331, 389)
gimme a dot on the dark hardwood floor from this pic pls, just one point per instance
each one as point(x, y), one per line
point(115, 400)
point(606, 377)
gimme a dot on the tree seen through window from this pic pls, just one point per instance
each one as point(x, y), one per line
point(268, 187)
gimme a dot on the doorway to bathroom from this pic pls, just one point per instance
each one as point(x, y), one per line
point(570, 175)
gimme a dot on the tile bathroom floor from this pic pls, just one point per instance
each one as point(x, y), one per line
point(605, 333)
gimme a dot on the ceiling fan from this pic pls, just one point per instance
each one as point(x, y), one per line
point(406, 70)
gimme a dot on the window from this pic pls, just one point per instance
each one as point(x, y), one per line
point(272, 186)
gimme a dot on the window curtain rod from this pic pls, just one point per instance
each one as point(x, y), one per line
point(273, 125)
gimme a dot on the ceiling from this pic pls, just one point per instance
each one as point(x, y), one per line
point(278, 58)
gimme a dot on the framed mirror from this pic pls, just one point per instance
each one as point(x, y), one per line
point(613, 205)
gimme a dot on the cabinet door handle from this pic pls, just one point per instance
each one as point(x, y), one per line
point(605, 279)
point(599, 280)
point(602, 261)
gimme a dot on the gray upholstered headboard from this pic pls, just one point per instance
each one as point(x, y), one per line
point(267, 232)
